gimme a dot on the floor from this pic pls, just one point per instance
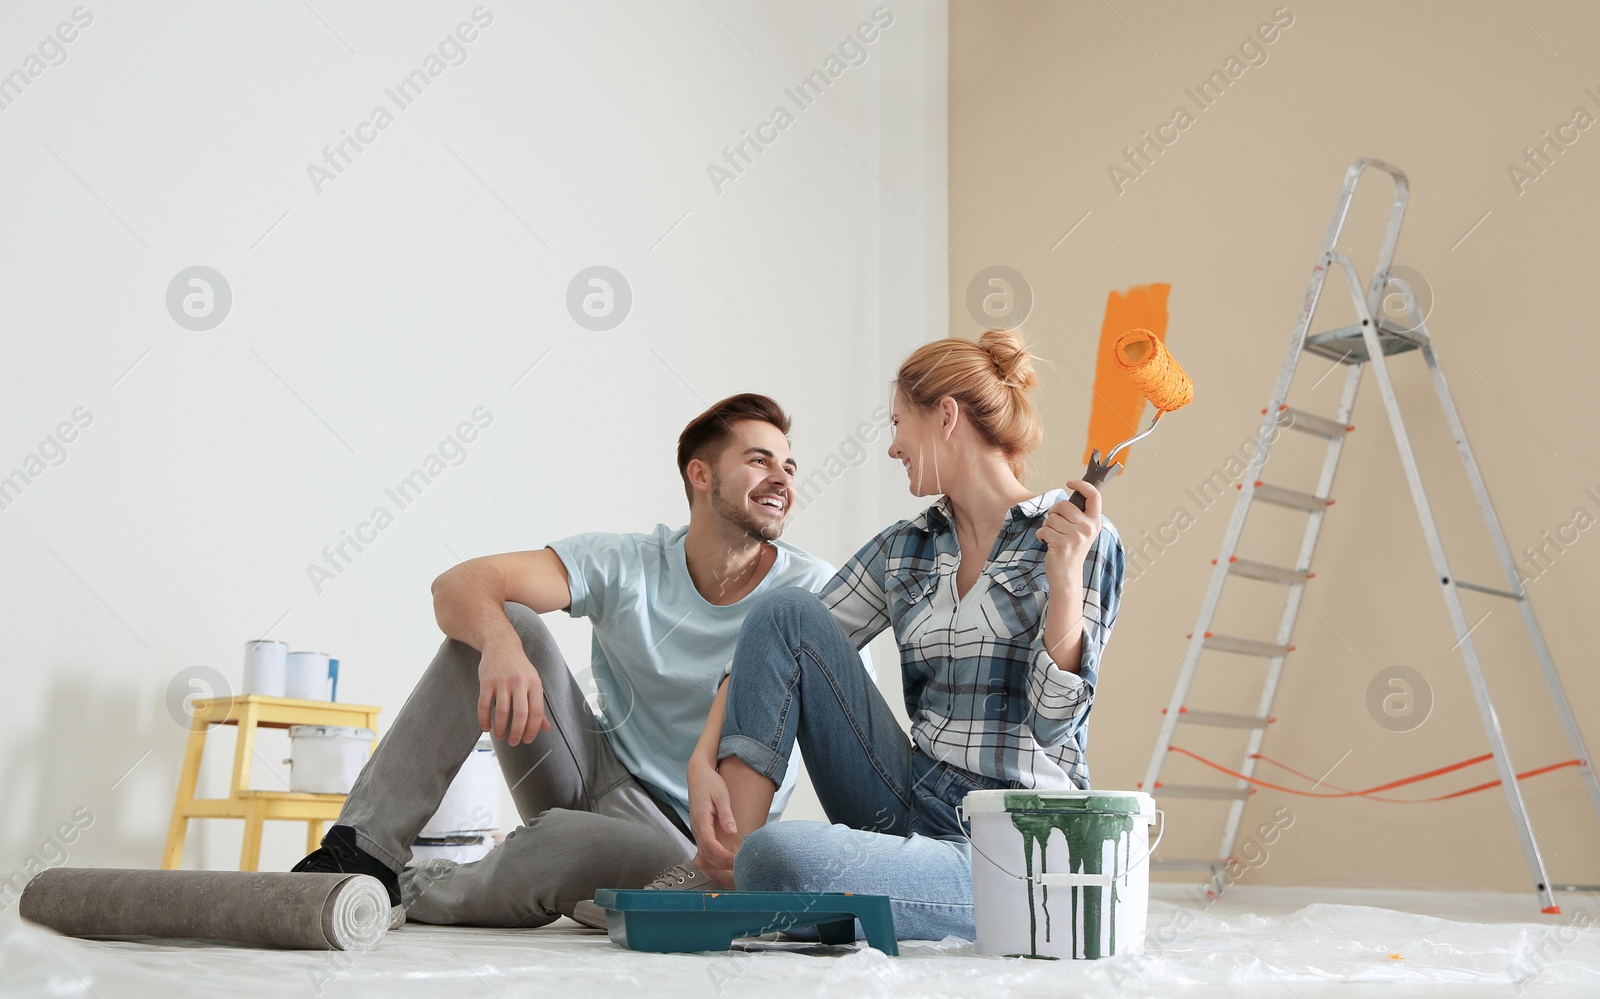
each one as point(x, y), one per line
point(1254, 941)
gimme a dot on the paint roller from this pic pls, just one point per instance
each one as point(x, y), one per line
point(262, 909)
point(1141, 356)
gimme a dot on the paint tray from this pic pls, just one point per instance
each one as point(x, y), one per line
point(678, 921)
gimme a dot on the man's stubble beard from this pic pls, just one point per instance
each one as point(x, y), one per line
point(740, 517)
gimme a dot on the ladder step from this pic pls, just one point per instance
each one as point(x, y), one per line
point(1225, 719)
point(1491, 591)
point(1347, 345)
point(1187, 864)
point(1292, 498)
point(1321, 426)
point(1202, 791)
point(1271, 573)
point(1245, 646)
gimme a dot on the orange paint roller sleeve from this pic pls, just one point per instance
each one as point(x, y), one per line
point(1142, 356)
point(1118, 404)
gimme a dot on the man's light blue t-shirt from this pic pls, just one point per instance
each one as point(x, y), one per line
point(660, 648)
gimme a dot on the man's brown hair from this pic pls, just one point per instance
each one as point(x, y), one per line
point(707, 434)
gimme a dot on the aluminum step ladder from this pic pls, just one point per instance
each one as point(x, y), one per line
point(1374, 338)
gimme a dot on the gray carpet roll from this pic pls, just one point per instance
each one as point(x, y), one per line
point(263, 909)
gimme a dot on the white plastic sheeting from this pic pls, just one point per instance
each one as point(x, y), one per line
point(1252, 941)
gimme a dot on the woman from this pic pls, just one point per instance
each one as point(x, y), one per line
point(1001, 602)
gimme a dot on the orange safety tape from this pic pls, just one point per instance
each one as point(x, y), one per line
point(1383, 787)
point(1374, 797)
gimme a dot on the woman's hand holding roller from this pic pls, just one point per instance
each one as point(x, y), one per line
point(1068, 533)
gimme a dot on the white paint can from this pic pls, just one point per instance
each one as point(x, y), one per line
point(265, 668)
point(327, 759)
point(472, 801)
point(307, 676)
point(1092, 847)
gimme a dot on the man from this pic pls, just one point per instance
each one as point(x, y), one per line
point(604, 799)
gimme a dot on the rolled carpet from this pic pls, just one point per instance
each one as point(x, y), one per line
point(259, 908)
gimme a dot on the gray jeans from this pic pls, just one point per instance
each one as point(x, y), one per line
point(588, 823)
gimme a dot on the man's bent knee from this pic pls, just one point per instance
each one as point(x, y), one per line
point(537, 642)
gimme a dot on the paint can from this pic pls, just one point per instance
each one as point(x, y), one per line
point(265, 667)
point(471, 804)
point(1092, 847)
point(307, 676)
point(327, 759)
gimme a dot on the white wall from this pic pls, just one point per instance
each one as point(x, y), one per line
point(371, 317)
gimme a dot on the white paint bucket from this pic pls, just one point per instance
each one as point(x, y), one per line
point(265, 668)
point(471, 804)
point(1090, 846)
point(327, 759)
point(307, 676)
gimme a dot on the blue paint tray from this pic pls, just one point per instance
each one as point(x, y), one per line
point(679, 921)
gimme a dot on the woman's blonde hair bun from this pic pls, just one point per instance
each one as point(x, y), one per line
point(1011, 358)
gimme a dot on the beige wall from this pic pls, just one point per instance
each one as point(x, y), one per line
point(1043, 97)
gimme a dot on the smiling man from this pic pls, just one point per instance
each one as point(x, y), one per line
point(603, 796)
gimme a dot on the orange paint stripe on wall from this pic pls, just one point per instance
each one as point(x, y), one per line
point(1118, 404)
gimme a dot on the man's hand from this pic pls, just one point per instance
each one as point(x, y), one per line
point(510, 691)
point(1069, 533)
point(711, 816)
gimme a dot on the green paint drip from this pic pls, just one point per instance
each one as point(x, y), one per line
point(1033, 918)
point(1086, 832)
point(1044, 868)
point(1071, 894)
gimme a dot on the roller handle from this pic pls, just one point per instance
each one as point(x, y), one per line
point(1098, 472)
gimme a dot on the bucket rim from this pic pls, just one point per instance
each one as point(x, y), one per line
point(995, 800)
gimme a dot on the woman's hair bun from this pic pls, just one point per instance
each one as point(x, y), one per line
point(1011, 358)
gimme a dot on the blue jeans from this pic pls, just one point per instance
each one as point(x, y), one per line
point(797, 679)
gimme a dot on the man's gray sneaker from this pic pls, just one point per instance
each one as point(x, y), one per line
point(589, 914)
point(683, 877)
point(679, 877)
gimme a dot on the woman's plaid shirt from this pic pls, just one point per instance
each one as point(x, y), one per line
point(980, 690)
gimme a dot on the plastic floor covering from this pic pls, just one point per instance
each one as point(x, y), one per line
point(1253, 941)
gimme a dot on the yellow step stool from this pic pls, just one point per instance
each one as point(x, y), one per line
point(250, 712)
